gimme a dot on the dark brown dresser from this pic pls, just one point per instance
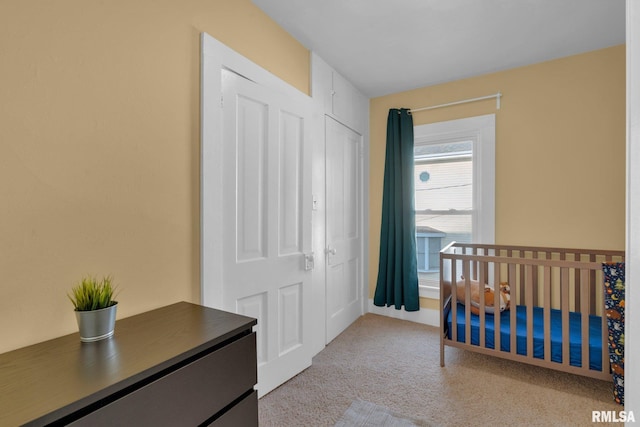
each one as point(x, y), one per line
point(180, 365)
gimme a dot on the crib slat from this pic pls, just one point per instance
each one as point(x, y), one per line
point(482, 270)
point(577, 292)
point(592, 286)
point(584, 310)
point(454, 301)
point(564, 303)
point(547, 313)
point(496, 317)
point(515, 296)
point(528, 300)
point(467, 303)
point(512, 327)
point(536, 290)
point(475, 273)
point(521, 281)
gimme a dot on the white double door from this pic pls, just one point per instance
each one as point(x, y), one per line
point(266, 222)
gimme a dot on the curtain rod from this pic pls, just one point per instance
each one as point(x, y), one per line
point(464, 101)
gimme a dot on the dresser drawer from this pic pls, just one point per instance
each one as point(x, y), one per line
point(187, 396)
point(244, 414)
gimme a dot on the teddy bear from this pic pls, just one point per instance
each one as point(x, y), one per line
point(489, 297)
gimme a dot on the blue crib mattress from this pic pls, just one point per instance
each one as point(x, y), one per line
point(575, 334)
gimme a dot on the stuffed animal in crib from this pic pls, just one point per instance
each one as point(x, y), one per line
point(489, 296)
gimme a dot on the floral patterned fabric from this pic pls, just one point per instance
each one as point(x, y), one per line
point(614, 309)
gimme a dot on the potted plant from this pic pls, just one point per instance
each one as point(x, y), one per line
point(95, 308)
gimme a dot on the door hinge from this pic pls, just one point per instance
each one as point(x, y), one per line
point(221, 101)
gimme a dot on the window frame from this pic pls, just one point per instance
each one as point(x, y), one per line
point(481, 131)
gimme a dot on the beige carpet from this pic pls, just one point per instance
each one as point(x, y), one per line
point(396, 364)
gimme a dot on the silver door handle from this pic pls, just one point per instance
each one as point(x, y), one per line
point(331, 251)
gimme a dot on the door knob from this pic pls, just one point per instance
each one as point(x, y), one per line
point(331, 251)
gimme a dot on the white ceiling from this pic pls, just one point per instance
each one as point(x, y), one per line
point(388, 46)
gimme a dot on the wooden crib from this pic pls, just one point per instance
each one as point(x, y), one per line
point(556, 305)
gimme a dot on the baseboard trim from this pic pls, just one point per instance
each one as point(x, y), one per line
point(426, 316)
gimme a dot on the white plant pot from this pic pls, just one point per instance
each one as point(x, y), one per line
point(96, 325)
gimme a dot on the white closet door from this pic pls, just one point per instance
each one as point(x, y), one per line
point(343, 253)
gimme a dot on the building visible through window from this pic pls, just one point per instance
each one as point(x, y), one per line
point(429, 243)
point(444, 201)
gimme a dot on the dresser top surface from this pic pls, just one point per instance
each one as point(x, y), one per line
point(57, 377)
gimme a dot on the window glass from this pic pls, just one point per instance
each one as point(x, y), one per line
point(443, 180)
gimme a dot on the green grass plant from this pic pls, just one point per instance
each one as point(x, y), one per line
point(93, 294)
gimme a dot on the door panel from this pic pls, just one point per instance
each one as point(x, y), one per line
point(251, 172)
point(343, 195)
point(267, 223)
point(291, 184)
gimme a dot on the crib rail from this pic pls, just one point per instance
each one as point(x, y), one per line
point(547, 278)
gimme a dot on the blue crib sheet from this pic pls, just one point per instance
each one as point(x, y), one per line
point(575, 333)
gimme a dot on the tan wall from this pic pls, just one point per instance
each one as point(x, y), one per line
point(99, 148)
point(560, 150)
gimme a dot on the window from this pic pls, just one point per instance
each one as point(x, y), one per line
point(454, 190)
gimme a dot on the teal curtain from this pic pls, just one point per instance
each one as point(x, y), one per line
point(397, 283)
